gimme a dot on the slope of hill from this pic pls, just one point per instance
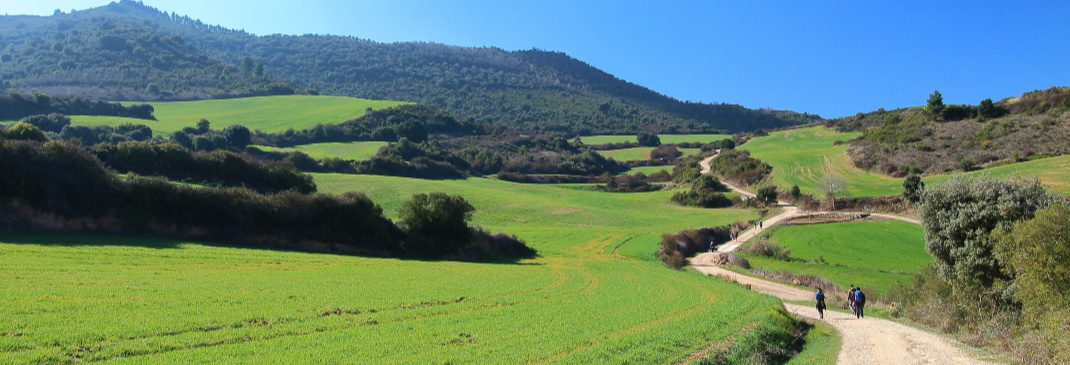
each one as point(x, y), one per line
point(115, 58)
point(531, 90)
point(961, 137)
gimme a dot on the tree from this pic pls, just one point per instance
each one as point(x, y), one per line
point(959, 215)
point(439, 217)
point(238, 136)
point(259, 70)
point(247, 66)
point(832, 186)
point(936, 104)
point(912, 187)
point(796, 193)
point(648, 139)
point(987, 109)
point(1036, 253)
point(203, 126)
point(25, 131)
point(767, 194)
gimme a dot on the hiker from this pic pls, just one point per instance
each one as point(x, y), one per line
point(851, 298)
point(759, 225)
point(860, 303)
point(820, 303)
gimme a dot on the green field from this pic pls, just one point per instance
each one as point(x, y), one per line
point(266, 113)
point(665, 138)
point(345, 151)
point(628, 154)
point(873, 255)
point(594, 295)
point(1053, 172)
point(641, 153)
point(803, 156)
point(647, 170)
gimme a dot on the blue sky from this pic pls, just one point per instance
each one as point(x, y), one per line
point(833, 58)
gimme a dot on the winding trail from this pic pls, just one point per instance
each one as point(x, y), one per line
point(865, 341)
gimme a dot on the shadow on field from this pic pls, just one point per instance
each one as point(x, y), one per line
point(97, 239)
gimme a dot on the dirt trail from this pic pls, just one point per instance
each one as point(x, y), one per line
point(865, 341)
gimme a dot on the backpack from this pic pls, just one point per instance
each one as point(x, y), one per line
point(820, 296)
point(859, 297)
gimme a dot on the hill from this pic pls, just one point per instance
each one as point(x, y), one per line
point(960, 137)
point(531, 90)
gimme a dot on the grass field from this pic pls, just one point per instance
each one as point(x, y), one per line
point(266, 113)
point(628, 154)
point(873, 255)
point(665, 138)
point(803, 156)
point(345, 151)
point(1053, 172)
point(594, 295)
point(648, 170)
point(641, 153)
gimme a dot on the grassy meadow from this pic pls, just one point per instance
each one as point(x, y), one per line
point(345, 151)
point(1053, 172)
point(803, 156)
point(266, 113)
point(641, 153)
point(872, 254)
point(665, 138)
point(594, 295)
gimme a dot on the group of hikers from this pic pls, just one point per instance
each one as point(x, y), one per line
point(856, 299)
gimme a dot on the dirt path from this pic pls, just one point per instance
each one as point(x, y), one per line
point(865, 341)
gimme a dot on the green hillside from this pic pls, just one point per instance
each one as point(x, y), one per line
point(803, 156)
point(345, 151)
point(874, 255)
point(96, 52)
point(665, 138)
point(160, 301)
point(267, 113)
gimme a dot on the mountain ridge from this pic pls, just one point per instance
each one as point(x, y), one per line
point(530, 90)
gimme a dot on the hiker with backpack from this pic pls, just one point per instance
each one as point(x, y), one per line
point(851, 298)
point(820, 303)
point(860, 303)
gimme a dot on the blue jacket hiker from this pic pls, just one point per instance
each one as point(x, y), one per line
point(820, 303)
point(860, 304)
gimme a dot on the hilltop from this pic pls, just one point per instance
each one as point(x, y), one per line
point(128, 51)
point(960, 137)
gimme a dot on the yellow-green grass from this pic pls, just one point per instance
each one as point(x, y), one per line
point(345, 151)
point(874, 255)
point(1053, 172)
point(665, 138)
point(641, 153)
point(628, 154)
point(822, 346)
point(803, 156)
point(647, 170)
point(592, 296)
point(266, 113)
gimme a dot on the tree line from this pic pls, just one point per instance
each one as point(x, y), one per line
point(61, 186)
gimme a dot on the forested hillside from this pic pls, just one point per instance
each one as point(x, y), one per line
point(127, 50)
point(116, 58)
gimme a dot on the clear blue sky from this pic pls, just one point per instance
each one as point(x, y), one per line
point(833, 58)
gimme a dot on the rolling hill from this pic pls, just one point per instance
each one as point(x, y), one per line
point(128, 51)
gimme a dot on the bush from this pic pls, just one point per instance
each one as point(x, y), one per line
point(648, 139)
point(768, 248)
point(439, 220)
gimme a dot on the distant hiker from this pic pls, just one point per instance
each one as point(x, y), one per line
point(851, 298)
point(759, 226)
point(860, 303)
point(820, 303)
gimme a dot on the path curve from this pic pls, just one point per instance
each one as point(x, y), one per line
point(865, 341)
